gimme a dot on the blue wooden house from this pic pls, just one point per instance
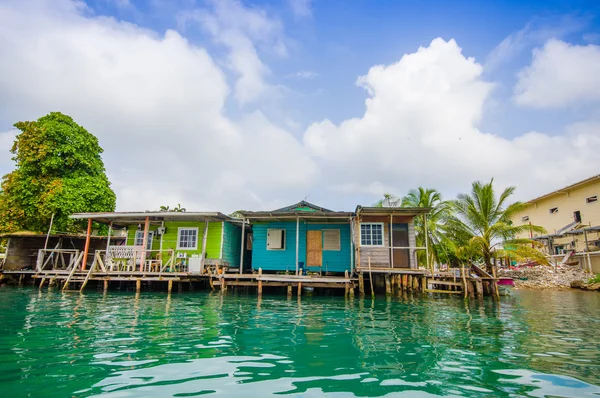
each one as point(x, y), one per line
point(301, 237)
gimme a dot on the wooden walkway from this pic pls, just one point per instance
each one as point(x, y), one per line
point(475, 282)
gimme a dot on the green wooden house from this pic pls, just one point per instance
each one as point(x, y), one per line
point(187, 242)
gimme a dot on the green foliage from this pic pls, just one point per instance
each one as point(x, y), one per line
point(595, 279)
point(237, 214)
point(481, 227)
point(177, 208)
point(58, 171)
point(441, 248)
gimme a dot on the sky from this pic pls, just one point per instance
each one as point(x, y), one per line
point(222, 105)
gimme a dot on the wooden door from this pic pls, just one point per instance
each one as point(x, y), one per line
point(400, 239)
point(314, 248)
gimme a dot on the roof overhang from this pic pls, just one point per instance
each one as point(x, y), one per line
point(34, 235)
point(322, 216)
point(394, 211)
point(565, 189)
point(128, 218)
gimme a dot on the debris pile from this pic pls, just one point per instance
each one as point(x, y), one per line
point(544, 277)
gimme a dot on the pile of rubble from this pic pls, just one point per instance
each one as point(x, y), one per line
point(544, 277)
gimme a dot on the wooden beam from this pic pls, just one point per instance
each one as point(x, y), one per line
point(242, 251)
point(297, 242)
point(87, 244)
point(391, 244)
point(204, 238)
point(144, 243)
point(108, 237)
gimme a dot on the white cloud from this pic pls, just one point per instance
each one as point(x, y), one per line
point(303, 74)
point(156, 103)
point(243, 31)
point(301, 8)
point(560, 74)
point(420, 128)
point(535, 33)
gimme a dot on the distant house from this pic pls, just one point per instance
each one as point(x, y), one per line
point(571, 217)
point(180, 241)
point(299, 236)
point(385, 237)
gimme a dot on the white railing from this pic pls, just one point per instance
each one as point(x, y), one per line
point(136, 258)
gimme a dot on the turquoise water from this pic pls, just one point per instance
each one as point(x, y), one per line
point(119, 345)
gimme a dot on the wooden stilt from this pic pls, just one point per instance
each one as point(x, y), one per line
point(388, 287)
point(471, 285)
point(361, 284)
point(347, 286)
point(21, 279)
point(299, 289)
point(210, 282)
point(170, 285)
point(138, 285)
point(351, 290)
point(105, 285)
point(223, 284)
point(42, 282)
point(393, 283)
point(415, 284)
point(494, 286)
point(409, 284)
point(289, 290)
point(259, 282)
point(87, 245)
point(479, 288)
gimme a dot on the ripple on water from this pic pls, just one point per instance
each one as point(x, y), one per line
point(535, 344)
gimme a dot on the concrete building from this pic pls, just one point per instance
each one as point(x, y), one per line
point(571, 217)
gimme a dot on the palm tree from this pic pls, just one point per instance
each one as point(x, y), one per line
point(440, 246)
point(481, 225)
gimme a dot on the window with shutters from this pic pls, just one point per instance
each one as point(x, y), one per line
point(371, 234)
point(331, 239)
point(139, 239)
point(187, 239)
point(276, 239)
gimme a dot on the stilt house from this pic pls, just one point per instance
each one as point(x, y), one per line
point(301, 237)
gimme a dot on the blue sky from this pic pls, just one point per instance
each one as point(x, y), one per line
point(288, 81)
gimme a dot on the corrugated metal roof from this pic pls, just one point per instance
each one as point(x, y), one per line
point(27, 234)
point(392, 210)
point(127, 218)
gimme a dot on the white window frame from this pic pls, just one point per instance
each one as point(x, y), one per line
point(137, 238)
point(595, 197)
point(339, 241)
point(179, 230)
point(382, 234)
point(284, 238)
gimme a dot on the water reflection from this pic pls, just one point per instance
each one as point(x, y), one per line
point(536, 344)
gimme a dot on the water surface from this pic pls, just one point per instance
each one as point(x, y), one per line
point(119, 345)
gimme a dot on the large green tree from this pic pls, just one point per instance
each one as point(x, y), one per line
point(481, 226)
point(58, 171)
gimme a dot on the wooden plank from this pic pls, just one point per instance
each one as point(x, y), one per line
point(447, 283)
point(443, 291)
